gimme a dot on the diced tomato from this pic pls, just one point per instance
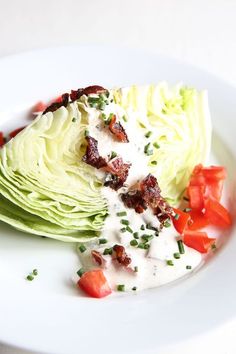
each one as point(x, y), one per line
point(217, 214)
point(94, 283)
point(181, 221)
point(196, 197)
point(215, 173)
point(2, 142)
point(198, 240)
point(197, 180)
point(198, 220)
point(214, 190)
point(15, 132)
point(39, 107)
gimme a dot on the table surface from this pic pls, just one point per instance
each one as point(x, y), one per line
point(199, 32)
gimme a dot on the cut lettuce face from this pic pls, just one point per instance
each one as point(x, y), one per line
point(45, 187)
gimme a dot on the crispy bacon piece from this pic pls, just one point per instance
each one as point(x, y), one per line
point(97, 256)
point(2, 140)
point(117, 129)
point(121, 256)
point(14, 132)
point(76, 94)
point(92, 156)
point(148, 194)
point(134, 199)
point(118, 173)
point(55, 105)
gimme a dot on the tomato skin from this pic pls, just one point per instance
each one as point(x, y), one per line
point(198, 240)
point(198, 220)
point(181, 223)
point(217, 214)
point(196, 197)
point(94, 283)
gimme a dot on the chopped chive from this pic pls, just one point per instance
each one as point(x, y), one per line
point(102, 106)
point(176, 217)
point(142, 227)
point(169, 262)
point(157, 233)
point(107, 251)
point(134, 243)
point(154, 162)
point(167, 224)
point(82, 248)
point(147, 150)
point(176, 255)
point(181, 246)
point(113, 154)
point(35, 272)
point(186, 198)
point(136, 235)
point(148, 134)
point(147, 238)
point(86, 132)
point(156, 146)
point(30, 277)
point(103, 116)
point(134, 288)
point(80, 272)
point(141, 245)
point(120, 287)
point(74, 119)
point(121, 213)
point(188, 267)
point(128, 228)
point(150, 227)
point(101, 241)
point(136, 269)
point(123, 230)
point(124, 118)
point(146, 246)
point(124, 222)
point(187, 210)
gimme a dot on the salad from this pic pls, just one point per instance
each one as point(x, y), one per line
point(120, 172)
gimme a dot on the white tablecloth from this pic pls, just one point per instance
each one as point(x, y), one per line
point(201, 32)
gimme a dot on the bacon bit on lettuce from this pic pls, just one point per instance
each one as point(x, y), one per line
point(39, 107)
point(118, 173)
point(149, 194)
point(76, 94)
point(98, 258)
point(121, 256)
point(13, 133)
point(92, 156)
point(2, 140)
point(63, 102)
point(117, 129)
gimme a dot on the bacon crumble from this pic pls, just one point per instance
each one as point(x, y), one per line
point(92, 156)
point(121, 256)
point(118, 173)
point(118, 130)
point(55, 105)
point(76, 94)
point(97, 256)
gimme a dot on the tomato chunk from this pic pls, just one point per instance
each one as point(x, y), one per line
point(217, 214)
point(181, 221)
point(198, 220)
point(198, 240)
point(94, 283)
point(215, 173)
point(39, 107)
point(196, 197)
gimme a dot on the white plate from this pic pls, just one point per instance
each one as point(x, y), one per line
point(48, 314)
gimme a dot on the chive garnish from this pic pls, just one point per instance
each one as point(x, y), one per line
point(188, 267)
point(30, 277)
point(147, 238)
point(181, 246)
point(35, 272)
point(103, 116)
point(169, 262)
point(123, 230)
point(134, 288)
point(136, 269)
point(148, 134)
point(167, 224)
point(102, 106)
point(150, 227)
point(113, 154)
point(136, 235)
point(107, 251)
point(128, 228)
point(142, 227)
point(82, 248)
point(146, 246)
point(120, 287)
point(154, 162)
point(187, 210)
point(176, 217)
point(124, 118)
point(134, 243)
point(86, 132)
point(124, 222)
point(176, 255)
point(101, 241)
point(141, 245)
point(74, 119)
point(156, 146)
point(147, 150)
point(80, 272)
point(121, 213)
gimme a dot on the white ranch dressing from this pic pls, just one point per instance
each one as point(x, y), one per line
point(151, 265)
